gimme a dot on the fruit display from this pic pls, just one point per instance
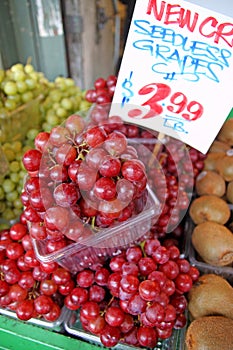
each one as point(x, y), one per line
point(96, 211)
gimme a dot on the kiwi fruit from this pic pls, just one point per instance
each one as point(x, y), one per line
point(226, 132)
point(224, 166)
point(229, 192)
point(218, 146)
point(210, 182)
point(210, 333)
point(214, 243)
point(211, 160)
point(210, 295)
point(209, 208)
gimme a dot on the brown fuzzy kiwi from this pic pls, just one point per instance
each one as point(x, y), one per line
point(211, 160)
point(210, 333)
point(214, 243)
point(209, 208)
point(218, 146)
point(226, 132)
point(229, 192)
point(224, 166)
point(210, 295)
point(210, 182)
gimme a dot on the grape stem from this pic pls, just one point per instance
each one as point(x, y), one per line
point(156, 149)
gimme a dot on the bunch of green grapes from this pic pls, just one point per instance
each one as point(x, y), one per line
point(63, 99)
point(20, 84)
point(11, 183)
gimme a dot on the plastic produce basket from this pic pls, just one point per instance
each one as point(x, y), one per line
point(40, 322)
point(15, 125)
point(73, 326)
point(103, 243)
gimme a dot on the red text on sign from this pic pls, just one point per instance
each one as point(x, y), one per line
point(184, 18)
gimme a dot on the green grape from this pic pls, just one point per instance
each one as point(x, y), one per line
point(32, 133)
point(84, 105)
point(52, 120)
point(27, 96)
point(14, 166)
point(8, 214)
point(8, 185)
point(55, 106)
point(6, 145)
point(28, 68)
point(22, 173)
point(19, 75)
point(46, 127)
point(10, 105)
point(21, 86)
point(69, 82)
point(25, 149)
point(12, 196)
point(2, 206)
point(10, 155)
point(31, 84)
point(20, 186)
point(61, 112)
point(14, 177)
point(59, 80)
point(35, 76)
point(17, 212)
point(17, 67)
point(18, 203)
point(16, 98)
point(10, 88)
point(66, 104)
point(17, 146)
point(55, 95)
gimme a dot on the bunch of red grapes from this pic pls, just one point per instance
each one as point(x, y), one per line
point(29, 288)
point(103, 90)
point(171, 174)
point(171, 171)
point(137, 298)
point(81, 178)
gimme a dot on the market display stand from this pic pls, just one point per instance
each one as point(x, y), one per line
point(16, 335)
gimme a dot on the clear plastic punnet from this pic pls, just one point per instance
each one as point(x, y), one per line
point(104, 242)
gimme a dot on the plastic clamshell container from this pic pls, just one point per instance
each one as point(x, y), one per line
point(73, 326)
point(15, 125)
point(57, 325)
point(104, 243)
point(204, 268)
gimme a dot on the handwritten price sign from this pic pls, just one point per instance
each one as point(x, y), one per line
point(177, 71)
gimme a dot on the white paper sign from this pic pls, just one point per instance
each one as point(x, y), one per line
point(176, 75)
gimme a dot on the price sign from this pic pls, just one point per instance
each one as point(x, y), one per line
point(177, 71)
